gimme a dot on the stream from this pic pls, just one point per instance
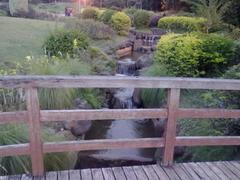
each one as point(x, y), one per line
point(119, 129)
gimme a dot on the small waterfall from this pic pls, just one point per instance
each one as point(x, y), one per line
point(126, 67)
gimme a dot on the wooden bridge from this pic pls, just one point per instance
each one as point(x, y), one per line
point(34, 116)
point(184, 171)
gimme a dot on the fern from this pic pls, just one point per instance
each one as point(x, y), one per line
point(213, 10)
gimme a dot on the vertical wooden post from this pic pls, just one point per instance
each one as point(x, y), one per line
point(171, 124)
point(36, 147)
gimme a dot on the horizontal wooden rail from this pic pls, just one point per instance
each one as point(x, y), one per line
point(13, 117)
point(208, 141)
point(33, 116)
point(116, 82)
point(14, 150)
point(103, 144)
point(102, 114)
point(208, 113)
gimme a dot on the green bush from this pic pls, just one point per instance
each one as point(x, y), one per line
point(90, 13)
point(94, 29)
point(141, 18)
point(121, 23)
point(62, 43)
point(130, 12)
point(3, 13)
point(182, 23)
point(194, 55)
point(107, 16)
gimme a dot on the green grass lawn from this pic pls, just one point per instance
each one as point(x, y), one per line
point(23, 37)
point(58, 8)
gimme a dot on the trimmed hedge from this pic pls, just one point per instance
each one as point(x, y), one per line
point(121, 23)
point(182, 23)
point(194, 54)
point(90, 13)
point(141, 18)
point(106, 16)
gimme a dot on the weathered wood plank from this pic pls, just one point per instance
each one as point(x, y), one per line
point(14, 177)
point(139, 172)
point(13, 150)
point(150, 172)
point(208, 113)
point(97, 174)
point(171, 124)
point(63, 175)
point(208, 171)
point(102, 114)
point(71, 146)
point(160, 172)
point(189, 171)
point(236, 164)
point(13, 117)
point(39, 178)
point(226, 171)
point(5, 177)
point(232, 168)
point(208, 141)
point(108, 174)
point(86, 174)
point(129, 173)
point(74, 175)
point(51, 176)
point(36, 149)
point(217, 171)
point(171, 173)
point(197, 170)
point(118, 173)
point(116, 82)
point(27, 177)
point(181, 173)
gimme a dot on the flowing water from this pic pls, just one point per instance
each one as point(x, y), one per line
point(120, 129)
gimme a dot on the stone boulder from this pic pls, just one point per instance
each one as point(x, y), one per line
point(144, 61)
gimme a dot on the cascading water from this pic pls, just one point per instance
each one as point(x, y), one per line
point(121, 129)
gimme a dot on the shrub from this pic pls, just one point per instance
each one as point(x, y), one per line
point(107, 15)
point(194, 54)
point(90, 13)
point(153, 22)
point(17, 8)
point(121, 23)
point(182, 23)
point(94, 29)
point(62, 43)
point(3, 13)
point(141, 18)
point(130, 12)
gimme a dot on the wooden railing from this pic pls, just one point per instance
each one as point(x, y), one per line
point(33, 116)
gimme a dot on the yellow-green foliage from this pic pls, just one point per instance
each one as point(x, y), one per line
point(121, 23)
point(18, 6)
point(194, 54)
point(141, 18)
point(182, 23)
point(90, 13)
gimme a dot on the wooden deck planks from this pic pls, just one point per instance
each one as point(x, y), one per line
point(129, 173)
point(151, 174)
point(97, 174)
point(118, 173)
point(184, 171)
point(86, 174)
point(140, 174)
